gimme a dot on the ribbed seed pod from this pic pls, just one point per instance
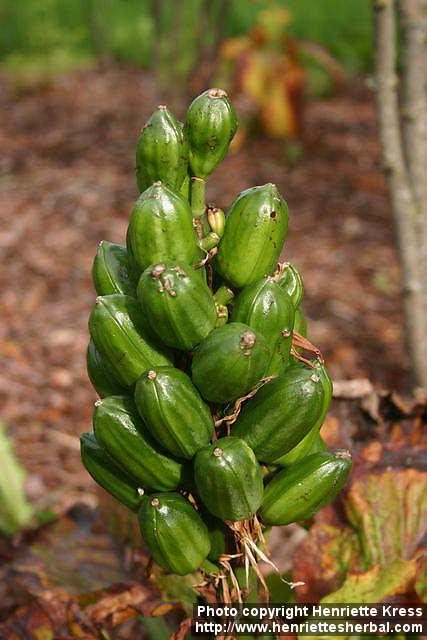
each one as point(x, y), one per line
point(103, 381)
point(122, 433)
point(229, 479)
point(281, 413)
point(177, 304)
point(229, 362)
point(289, 278)
point(104, 470)
point(307, 444)
point(297, 493)
point(117, 330)
point(266, 309)
point(175, 533)
point(161, 228)
point(173, 410)
point(112, 270)
point(300, 324)
point(210, 126)
point(162, 151)
point(255, 229)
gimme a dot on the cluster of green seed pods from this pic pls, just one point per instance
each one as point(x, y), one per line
point(206, 414)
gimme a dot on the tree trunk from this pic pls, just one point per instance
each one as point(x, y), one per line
point(405, 159)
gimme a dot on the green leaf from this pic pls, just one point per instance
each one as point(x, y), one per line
point(156, 628)
point(389, 513)
point(375, 585)
point(15, 511)
point(178, 588)
point(280, 591)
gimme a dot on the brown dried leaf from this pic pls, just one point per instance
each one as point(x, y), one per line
point(75, 584)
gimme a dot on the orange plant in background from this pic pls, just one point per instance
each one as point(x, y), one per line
point(267, 77)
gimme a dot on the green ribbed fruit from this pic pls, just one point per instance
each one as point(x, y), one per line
point(175, 533)
point(297, 493)
point(103, 381)
point(161, 229)
point(290, 280)
point(177, 305)
point(310, 442)
point(162, 151)
point(229, 479)
point(218, 532)
point(255, 229)
point(300, 324)
point(229, 362)
point(210, 126)
point(118, 332)
point(281, 413)
point(122, 433)
point(112, 270)
point(266, 309)
point(173, 411)
point(104, 470)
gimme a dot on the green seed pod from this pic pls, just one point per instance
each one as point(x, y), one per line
point(177, 305)
point(288, 276)
point(161, 228)
point(266, 309)
point(218, 532)
point(297, 493)
point(118, 332)
point(122, 433)
point(103, 381)
point(216, 219)
point(309, 443)
point(229, 362)
point(112, 271)
point(103, 469)
point(281, 413)
point(174, 412)
point(229, 479)
point(245, 256)
point(318, 446)
point(186, 188)
point(162, 151)
point(210, 126)
point(175, 533)
point(300, 324)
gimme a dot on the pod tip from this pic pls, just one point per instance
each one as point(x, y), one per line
point(217, 93)
point(343, 453)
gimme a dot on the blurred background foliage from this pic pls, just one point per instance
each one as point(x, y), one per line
point(43, 37)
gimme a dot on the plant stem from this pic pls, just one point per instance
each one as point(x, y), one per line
point(198, 202)
point(223, 295)
point(209, 241)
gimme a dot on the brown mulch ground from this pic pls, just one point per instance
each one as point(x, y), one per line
point(67, 182)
